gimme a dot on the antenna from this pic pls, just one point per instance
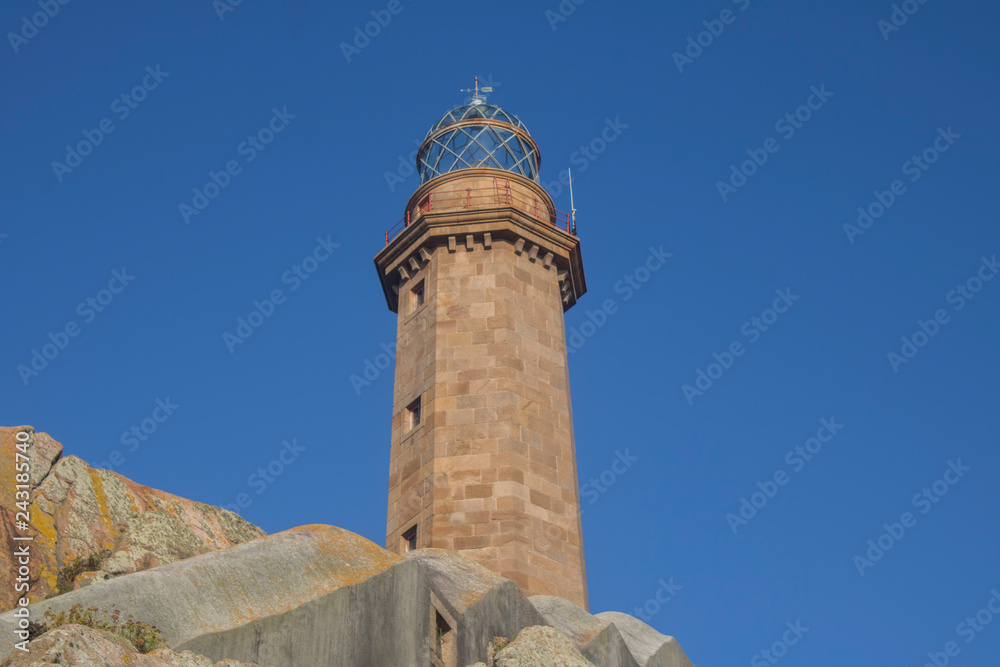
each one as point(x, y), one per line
point(572, 207)
point(476, 96)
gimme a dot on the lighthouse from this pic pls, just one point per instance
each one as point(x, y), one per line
point(480, 270)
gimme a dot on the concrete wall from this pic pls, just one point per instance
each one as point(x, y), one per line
point(381, 621)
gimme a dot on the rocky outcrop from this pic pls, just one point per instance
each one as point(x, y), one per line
point(77, 511)
point(85, 647)
point(611, 638)
point(541, 646)
point(320, 595)
point(598, 639)
point(650, 647)
point(477, 603)
point(313, 595)
point(310, 596)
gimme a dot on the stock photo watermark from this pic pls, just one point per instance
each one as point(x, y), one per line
point(264, 310)
point(88, 310)
point(122, 107)
point(779, 649)
point(249, 148)
point(596, 486)
point(901, 13)
point(665, 593)
point(266, 475)
point(139, 433)
point(753, 329)
point(970, 628)
point(373, 368)
point(37, 21)
point(915, 167)
point(786, 126)
point(362, 38)
point(21, 555)
point(588, 153)
point(924, 500)
point(563, 11)
point(714, 28)
point(926, 330)
point(577, 337)
point(796, 459)
point(223, 7)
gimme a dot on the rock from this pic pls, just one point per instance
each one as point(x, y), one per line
point(541, 646)
point(482, 604)
point(598, 639)
point(88, 578)
point(86, 647)
point(320, 595)
point(222, 590)
point(315, 595)
point(650, 647)
point(77, 511)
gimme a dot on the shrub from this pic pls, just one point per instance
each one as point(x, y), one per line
point(143, 636)
point(68, 575)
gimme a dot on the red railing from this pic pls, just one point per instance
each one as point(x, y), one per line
point(473, 198)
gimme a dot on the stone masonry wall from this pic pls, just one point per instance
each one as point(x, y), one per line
point(490, 471)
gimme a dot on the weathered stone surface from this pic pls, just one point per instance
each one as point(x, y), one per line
point(320, 595)
point(85, 647)
point(314, 595)
point(381, 620)
point(597, 638)
point(541, 646)
point(483, 604)
point(222, 590)
point(650, 647)
point(78, 511)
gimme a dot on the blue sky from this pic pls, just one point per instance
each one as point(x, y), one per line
point(864, 100)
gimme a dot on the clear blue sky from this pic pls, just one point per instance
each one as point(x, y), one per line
point(854, 294)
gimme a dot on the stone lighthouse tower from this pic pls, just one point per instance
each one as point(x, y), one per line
point(480, 270)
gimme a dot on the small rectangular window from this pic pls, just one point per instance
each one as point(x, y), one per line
point(410, 539)
point(413, 414)
point(417, 296)
point(442, 637)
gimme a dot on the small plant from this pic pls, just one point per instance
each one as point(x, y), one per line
point(143, 636)
point(496, 645)
point(67, 575)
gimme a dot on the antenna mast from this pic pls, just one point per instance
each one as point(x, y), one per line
point(572, 207)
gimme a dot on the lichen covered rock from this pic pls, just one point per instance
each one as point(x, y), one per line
point(77, 512)
point(85, 647)
point(541, 646)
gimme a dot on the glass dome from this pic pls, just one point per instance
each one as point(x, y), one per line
point(476, 136)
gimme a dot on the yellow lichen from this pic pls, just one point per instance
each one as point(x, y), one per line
point(102, 506)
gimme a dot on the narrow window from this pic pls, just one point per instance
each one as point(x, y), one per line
point(413, 414)
point(443, 639)
point(410, 539)
point(442, 642)
point(417, 296)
